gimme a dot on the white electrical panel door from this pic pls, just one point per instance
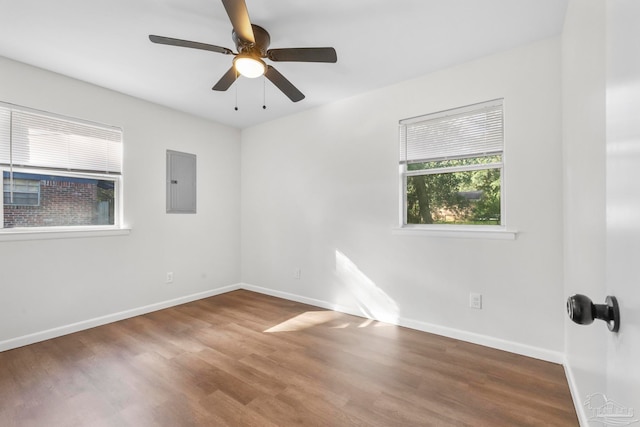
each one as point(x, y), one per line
point(181, 182)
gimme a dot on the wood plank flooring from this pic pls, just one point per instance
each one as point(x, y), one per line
point(246, 359)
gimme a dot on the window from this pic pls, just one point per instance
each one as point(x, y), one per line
point(451, 166)
point(57, 171)
point(21, 192)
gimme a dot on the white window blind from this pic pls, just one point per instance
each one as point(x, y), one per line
point(5, 135)
point(34, 139)
point(472, 131)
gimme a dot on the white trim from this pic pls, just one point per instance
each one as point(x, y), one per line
point(299, 298)
point(573, 389)
point(458, 334)
point(109, 318)
point(118, 205)
point(452, 169)
point(485, 340)
point(12, 234)
point(461, 232)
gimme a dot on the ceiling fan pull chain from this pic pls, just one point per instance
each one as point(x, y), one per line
point(264, 92)
point(236, 107)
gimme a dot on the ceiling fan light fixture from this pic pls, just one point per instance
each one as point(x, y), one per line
point(249, 66)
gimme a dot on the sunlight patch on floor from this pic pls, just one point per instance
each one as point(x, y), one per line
point(342, 326)
point(305, 320)
point(365, 323)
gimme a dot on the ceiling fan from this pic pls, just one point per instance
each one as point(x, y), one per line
point(252, 42)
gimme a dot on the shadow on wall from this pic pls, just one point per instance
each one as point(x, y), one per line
point(372, 301)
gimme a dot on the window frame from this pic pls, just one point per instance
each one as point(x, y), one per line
point(467, 230)
point(48, 232)
point(117, 200)
point(10, 203)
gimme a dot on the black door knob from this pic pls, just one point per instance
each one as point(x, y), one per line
point(583, 311)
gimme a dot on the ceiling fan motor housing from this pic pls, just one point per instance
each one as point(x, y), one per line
point(262, 41)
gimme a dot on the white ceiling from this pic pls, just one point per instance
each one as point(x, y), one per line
point(379, 42)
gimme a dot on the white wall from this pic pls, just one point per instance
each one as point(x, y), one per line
point(52, 283)
point(320, 192)
point(584, 128)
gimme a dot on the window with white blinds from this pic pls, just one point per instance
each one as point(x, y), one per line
point(451, 165)
point(475, 130)
point(75, 165)
point(32, 139)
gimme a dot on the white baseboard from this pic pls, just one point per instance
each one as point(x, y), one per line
point(575, 396)
point(299, 298)
point(458, 334)
point(485, 340)
point(110, 318)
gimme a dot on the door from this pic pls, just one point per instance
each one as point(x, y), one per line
point(623, 203)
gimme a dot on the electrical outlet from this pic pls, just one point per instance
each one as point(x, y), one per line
point(169, 277)
point(297, 273)
point(475, 300)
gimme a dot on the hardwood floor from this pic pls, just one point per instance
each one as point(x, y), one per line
point(245, 359)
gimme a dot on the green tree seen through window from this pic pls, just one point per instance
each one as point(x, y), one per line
point(462, 197)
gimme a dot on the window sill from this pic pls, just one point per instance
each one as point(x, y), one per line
point(461, 232)
point(8, 235)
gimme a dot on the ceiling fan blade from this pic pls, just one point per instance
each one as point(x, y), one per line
point(186, 43)
point(226, 80)
point(304, 54)
point(283, 84)
point(239, 16)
